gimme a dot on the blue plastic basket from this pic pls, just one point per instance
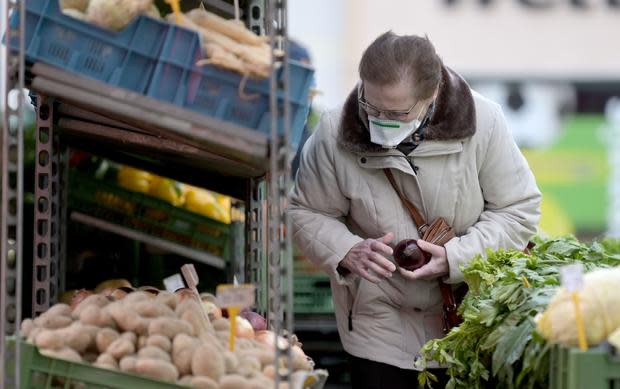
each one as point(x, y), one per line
point(215, 92)
point(125, 59)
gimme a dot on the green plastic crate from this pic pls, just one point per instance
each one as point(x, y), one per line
point(107, 201)
point(41, 372)
point(595, 368)
point(312, 294)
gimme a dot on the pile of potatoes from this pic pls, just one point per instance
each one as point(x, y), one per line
point(167, 337)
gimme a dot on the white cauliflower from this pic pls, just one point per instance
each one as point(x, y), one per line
point(116, 14)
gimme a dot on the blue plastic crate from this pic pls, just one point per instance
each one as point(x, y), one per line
point(125, 59)
point(214, 92)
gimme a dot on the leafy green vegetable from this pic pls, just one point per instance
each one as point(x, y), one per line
point(497, 344)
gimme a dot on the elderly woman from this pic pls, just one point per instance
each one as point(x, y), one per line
point(451, 155)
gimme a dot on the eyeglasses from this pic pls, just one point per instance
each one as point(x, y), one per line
point(390, 114)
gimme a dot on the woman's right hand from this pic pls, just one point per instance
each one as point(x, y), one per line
point(367, 260)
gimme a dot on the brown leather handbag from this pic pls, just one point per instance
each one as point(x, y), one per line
point(438, 232)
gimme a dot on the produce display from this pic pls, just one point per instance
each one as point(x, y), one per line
point(227, 43)
point(498, 344)
point(210, 204)
point(173, 337)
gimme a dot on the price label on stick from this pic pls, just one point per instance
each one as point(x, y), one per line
point(174, 283)
point(571, 277)
point(239, 296)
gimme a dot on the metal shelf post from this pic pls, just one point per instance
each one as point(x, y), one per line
point(11, 216)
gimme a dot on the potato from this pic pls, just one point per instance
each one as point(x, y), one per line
point(231, 362)
point(121, 347)
point(270, 371)
point(183, 348)
point(234, 381)
point(152, 352)
point(52, 321)
point(167, 298)
point(130, 336)
point(201, 382)
point(105, 337)
point(157, 369)
point(186, 380)
point(265, 356)
point(64, 353)
point(26, 328)
point(96, 316)
point(208, 361)
point(49, 340)
point(33, 334)
point(248, 365)
point(169, 327)
point(221, 324)
point(128, 364)
point(142, 341)
point(159, 341)
point(199, 321)
point(106, 361)
point(59, 310)
point(137, 296)
point(76, 337)
point(95, 299)
point(127, 319)
point(261, 381)
point(151, 308)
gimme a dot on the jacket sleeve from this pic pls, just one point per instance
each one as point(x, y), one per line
point(512, 202)
point(318, 207)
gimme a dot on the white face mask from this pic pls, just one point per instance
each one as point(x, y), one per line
point(390, 133)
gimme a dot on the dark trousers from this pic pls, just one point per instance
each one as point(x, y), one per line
point(366, 374)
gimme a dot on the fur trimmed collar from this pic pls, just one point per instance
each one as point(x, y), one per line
point(454, 116)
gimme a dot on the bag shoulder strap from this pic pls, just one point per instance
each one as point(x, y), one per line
point(413, 211)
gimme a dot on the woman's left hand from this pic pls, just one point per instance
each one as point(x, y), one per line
point(435, 268)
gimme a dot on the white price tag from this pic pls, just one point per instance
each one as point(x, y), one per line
point(174, 283)
point(571, 277)
point(241, 296)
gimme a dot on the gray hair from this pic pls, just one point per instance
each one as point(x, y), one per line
point(391, 57)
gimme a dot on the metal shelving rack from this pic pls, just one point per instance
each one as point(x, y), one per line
point(78, 112)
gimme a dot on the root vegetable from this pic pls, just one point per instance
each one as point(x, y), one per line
point(152, 308)
point(106, 361)
point(33, 334)
point(160, 341)
point(234, 381)
point(152, 352)
point(128, 364)
point(169, 327)
point(79, 5)
point(265, 356)
point(95, 299)
point(64, 353)
point(183, 349)
point(26, 328)
point(186, 380)
point(126, 318)
point(90, 357)
point(104, 338)
point(96, 316)
point(52, 321)
point(199, 321)
point(207, 361)
point(257, 321)
point(120, 348)
point(157, 369)
point(231, 362)
point(229, 28)
point(244, 328)
point(248, 365)
point(167, 298)
point(49, 340)
point(130, 336)
point(142, 341)
point(201, 382)
point(116, 14)
point(59, 310)
point(221, 324)
point(409, 256)
point(76, 336)
point(137, 296)
point(261, 382)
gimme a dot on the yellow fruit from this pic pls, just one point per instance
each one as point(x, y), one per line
point(134, 179)
point(167, 190)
